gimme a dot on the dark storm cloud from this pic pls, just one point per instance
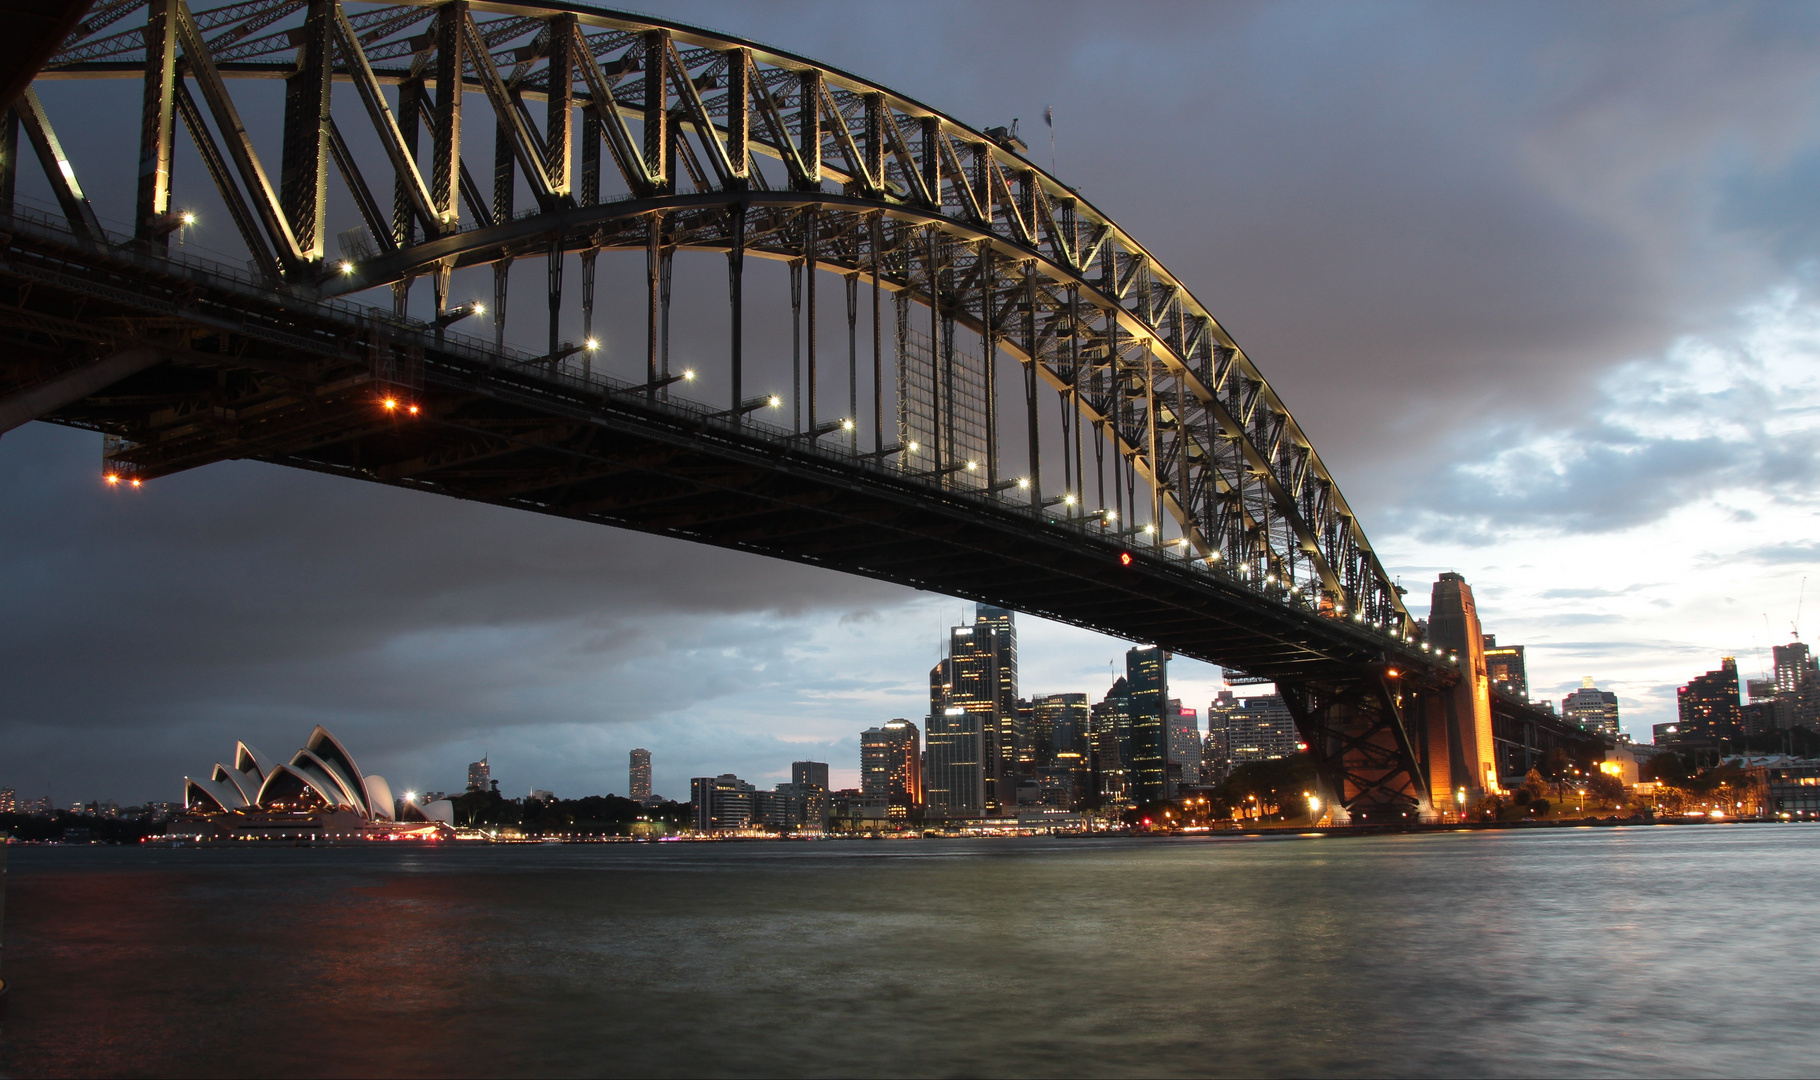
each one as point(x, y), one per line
point(1437, 228)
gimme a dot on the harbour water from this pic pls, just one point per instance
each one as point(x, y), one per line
point(1648, 950)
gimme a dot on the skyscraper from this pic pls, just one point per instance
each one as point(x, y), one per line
point(979, 678)
point(1504, 666)
point(1147, 672)
point(1594, 709)
point(480, 775)
point(890, 766)
point(1064, 717)
point(1708, 706)
point(641, 775)
point(1797, 686)
point(1111, 735)
point(1184, 746)
point(809, 773)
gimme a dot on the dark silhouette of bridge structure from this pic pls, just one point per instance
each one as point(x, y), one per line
point(993, 391)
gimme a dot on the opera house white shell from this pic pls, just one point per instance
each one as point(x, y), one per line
point(319, 789)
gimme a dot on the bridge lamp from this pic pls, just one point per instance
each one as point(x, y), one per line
point(1067, 500)
point(111, 478)
point(688, 375)
point(478, 308)
point(346, 267)
point(1023, 483)
point(1149, 530)
point(391, 404)
point(1124, 558)
point(187, 217)
point(136, 481)
point(775, 402)
point(592, 344)
point(845, 425)
point(1392, 673)
point(973, 466)
point(413, 410)
point(914, 447)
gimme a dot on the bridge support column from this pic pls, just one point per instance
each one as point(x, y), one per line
point(1368, 765)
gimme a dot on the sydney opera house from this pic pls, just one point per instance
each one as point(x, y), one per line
point(319, 794)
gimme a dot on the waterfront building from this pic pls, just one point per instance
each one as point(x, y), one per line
point(722, 803)
point(1147, 672)
point(480, 775)
point(809, 781)
point(1708, 707)
point(1260, 730)
point(1793, 787)
point(641, 775)
point(1504, 667)
point(813, 773)
point(1797, 686)
point(890, 766)
point(9, 802)
point(954, 776)
point(1594, 709)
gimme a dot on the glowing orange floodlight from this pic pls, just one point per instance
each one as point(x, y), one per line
point(391, 404)
point(111, 478)
point(1392, 672)
point(135, 481)
point(1124, 558)
point(413, 410)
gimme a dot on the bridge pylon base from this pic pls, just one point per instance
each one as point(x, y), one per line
point(1368, 764)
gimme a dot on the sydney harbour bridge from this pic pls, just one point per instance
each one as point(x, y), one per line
point(933, 362)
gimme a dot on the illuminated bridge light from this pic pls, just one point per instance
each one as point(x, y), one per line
point(1124, 558)
point(111, 478)
point(347, 267)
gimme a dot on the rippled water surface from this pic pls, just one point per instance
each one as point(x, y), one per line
point(1664, 950)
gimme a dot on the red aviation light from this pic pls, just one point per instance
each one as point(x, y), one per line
point(1124, 558)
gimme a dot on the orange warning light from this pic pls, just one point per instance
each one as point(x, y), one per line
point(390, 403)
point(111, 478)
point(1392, 672)
point(413, 410)
point(135, 481)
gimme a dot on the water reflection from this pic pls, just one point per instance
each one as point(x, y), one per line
point(1654, 950)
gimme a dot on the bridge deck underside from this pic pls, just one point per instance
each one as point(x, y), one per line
point(256, 377)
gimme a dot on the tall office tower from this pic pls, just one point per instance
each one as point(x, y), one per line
point(641, 775)
point(1111, 735)
point(981, 679)
point(1504, 667)
point(1260, 729)
point(954, 752)
point(1797, 686)
point(480, 775)
point(809, 772)
point(890, 766)
point(1035, 740)
point(1216, 752)
point(1184, 746)
point(1594, 709)
point(1066, 720)
point(1708, 706)
point(9, 802)
point(1147, 671)
point(943, 408)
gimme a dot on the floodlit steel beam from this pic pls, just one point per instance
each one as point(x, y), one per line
point(402, 151)
point(158, 125)
point(57, 167)
point(451, 36)
point(303, 179)
point(239, 144)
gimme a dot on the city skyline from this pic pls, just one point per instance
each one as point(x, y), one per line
point(1621, 483)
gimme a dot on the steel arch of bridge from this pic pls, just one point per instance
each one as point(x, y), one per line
point(1250, 556)
point(874, 184)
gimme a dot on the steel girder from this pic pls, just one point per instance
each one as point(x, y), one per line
point(897, 192)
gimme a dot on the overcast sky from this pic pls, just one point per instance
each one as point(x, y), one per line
point(1539, 281)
